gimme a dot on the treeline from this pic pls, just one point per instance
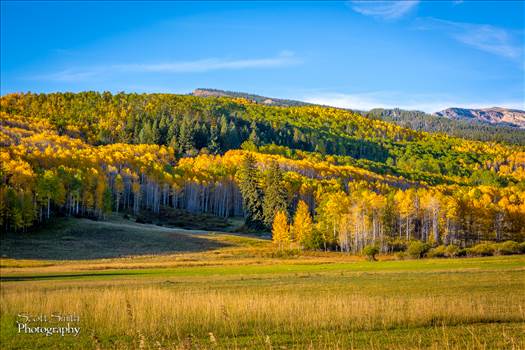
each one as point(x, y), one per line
point(468, 129)
point(251, 97)
point(89, 154)
point(364, 213)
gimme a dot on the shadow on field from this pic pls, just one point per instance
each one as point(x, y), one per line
point(65, 276)
point(82, 239)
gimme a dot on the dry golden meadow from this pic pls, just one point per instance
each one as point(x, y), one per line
point(238, 296)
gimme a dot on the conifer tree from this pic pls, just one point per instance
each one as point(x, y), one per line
point(252, 195)
point(143, 134)
point(274, 194)
point(253, 134)
point(233, 140)
point(163, 130)
point(214, 146)
point(186, 135)
point(223, 126)
point(155, 133)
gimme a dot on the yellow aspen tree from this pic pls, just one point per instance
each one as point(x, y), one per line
point(302, 226)
point(280, 229)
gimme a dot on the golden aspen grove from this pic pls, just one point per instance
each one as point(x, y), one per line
point(363, 181)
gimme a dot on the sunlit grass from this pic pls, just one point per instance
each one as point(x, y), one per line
point(233, 293)
point(475, 303)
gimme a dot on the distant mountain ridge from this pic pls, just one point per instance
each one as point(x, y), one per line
point(468, 128)
point(252, 97)
point(494, 115)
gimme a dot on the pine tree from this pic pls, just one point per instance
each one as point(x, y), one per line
point(253, 134)
point(302, 227)
point(233, 140)
point(155, 135)
point(149, 133)
point(143, 134)
point(173, 131)
point(214, 146)
point(281, 229)
point(163, 130)
point(186, 135)
point(274, 194)
point(252, 195)
point(223, 126)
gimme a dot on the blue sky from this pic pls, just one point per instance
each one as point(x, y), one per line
point(409, 54)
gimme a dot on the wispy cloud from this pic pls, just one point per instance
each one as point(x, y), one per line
point(387, 99)
point(70, 74)
point(285, 58)
point(206, 65)
point(484, 37)
point(388, 10)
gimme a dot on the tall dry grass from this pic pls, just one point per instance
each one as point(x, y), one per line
point(460, 304)
point(164, 313)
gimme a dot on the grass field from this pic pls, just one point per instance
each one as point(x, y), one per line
point(227, 291)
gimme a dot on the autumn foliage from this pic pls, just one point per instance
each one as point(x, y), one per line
point(344, 181)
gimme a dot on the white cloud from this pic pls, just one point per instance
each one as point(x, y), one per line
point(68, 75)
point(484, 37)
point(285, 58)
point(388, 10)
point(206, 65)
point(385, 99)
point(361, 101)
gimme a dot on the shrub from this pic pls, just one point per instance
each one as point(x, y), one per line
point(140, 220)
point(462, 252)
point(401, 255)
point(453, 250)
point(449, 251)
point(316, 241)
point(508, 248)
point(417, 249)
point(397, 246)
point(286, 253)
point(438, 252)
point(482, 249)
point(522, 248)
point(249, 146)
point(371, 251)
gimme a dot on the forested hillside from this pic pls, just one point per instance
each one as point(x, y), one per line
point(469, 129)
point(342, 180)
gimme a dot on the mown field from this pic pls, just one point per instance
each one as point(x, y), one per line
point(229, 291)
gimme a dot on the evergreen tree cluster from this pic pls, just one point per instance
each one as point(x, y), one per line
point(264, 197)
